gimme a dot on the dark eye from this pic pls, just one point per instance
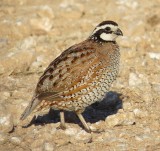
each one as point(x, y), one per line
point(108, 28)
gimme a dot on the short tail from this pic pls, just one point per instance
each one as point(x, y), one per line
point(32, 105)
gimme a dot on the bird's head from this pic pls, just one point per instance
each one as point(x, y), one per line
point(106, 31)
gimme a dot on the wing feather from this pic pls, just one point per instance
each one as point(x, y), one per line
point(62, 74)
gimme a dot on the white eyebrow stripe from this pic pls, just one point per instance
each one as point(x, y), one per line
point(103, 27)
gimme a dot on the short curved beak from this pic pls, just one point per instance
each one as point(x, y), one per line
point(118, 32)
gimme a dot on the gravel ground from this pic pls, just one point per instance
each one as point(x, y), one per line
point(33, 33)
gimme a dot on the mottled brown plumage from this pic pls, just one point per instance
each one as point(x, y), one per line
point(81, 75)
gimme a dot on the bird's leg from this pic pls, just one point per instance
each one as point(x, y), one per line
point(79, 114)
point(62, 119)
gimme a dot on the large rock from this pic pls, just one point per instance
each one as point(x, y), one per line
point(41, 25)
point(120, 119)
point(18, 58)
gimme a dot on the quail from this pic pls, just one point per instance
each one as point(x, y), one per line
point(80, 76)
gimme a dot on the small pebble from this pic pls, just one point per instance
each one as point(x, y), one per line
point(71, 131)
point(139, 113)
point(16, 140)
point(48, 146)
point(81, 136)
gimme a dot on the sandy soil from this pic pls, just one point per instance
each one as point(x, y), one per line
point(33, 33)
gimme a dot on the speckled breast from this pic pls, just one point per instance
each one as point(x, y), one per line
point(95, 90)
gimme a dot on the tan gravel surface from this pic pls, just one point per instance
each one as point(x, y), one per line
point(34, 32)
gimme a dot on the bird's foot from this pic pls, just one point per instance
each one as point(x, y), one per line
point(61, 126)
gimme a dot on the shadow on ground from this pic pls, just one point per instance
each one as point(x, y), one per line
point(94, 113)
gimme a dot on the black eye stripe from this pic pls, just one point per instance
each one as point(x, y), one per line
point(99, 32)
point(109, 32)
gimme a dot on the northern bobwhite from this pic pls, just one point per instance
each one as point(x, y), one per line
point(81, 75)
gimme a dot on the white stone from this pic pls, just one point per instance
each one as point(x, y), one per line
point(137, 79)
point(71, 131)
point(48, 146)
point(154, 55)
point(44, 24)
point(16, 140)
point(120, 119)
point(6, 123)
point(134, 79)
point(128, 3)
point(81, 136)
point(139, 113)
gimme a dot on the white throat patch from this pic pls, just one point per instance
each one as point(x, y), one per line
point(108, 37)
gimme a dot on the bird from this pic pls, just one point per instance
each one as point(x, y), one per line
point(80, 76)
